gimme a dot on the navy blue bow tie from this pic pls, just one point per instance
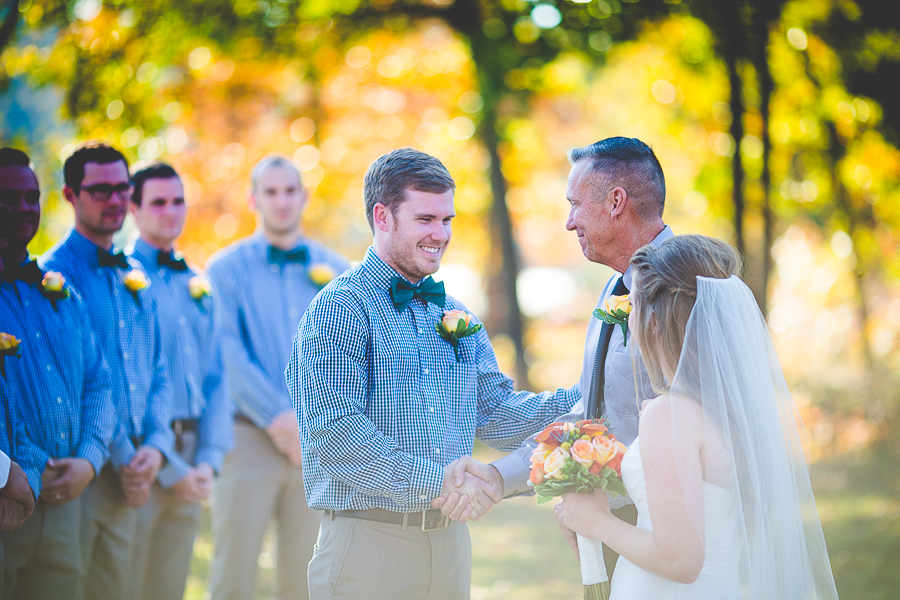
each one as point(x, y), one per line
point(428, 290)
point(167, 259)
point(281, 257)
point(108, 259)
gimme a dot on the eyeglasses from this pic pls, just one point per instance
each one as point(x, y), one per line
point(11, 198)
point(102, 192)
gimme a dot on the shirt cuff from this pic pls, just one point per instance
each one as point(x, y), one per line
point(174, 471)
point(514, 472)
point(423, 483)
point(211, 456)
point(121, 452)
point(94, 454)
point(5, 463)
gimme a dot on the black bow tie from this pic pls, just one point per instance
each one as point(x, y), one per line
point(30, 273)
point(108, 259)
point(281, 257)
point(167, 259)
point(428, 290)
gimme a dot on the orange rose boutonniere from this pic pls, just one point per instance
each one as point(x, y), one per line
point(9, 346)
point(615, 311)
point(135, 282)
point(455, 325)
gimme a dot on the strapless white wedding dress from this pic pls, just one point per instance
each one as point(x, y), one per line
point(719, 578)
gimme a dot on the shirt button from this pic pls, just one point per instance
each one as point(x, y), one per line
point(273, 268)
point(423, 496)
point(37, 334)
point(182, 321)
point(430, 409)
point(122, 324)
point(425, 371)
point(49, 368)
point(161, 273)
point(62, 436)
point(125, 355)
point(437, 451)
point(59, 400)
point(131, 387)
point(187, 349)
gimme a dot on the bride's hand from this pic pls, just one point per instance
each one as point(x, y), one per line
point(580, 511)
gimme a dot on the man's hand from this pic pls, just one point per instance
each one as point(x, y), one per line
point(284, 430)
point(142, 469)
point(454, 504)
point(136, 497)
point(68, 478)
point(568, 533)
point(18, 490)
point(465, 496)
point(196, 486)
point(12, 514)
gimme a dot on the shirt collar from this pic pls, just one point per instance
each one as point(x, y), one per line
point(83, 248)
point(145, 252)
point(665, 234)
point(379, 270)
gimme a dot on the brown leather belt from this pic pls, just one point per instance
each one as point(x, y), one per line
point(426, 520)
point(180, 426)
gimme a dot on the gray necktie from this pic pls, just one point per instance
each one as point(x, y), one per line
point(595, 400)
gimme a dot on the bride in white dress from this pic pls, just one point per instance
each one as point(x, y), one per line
point(717, 473)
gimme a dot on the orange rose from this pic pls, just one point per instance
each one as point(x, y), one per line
point(595, 469)
point(554, 463)
point(536, 475)
point(616, 464)
point(583, 452)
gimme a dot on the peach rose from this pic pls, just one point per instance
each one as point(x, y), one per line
point(456, 321)
point(199, 287)
point(583, 452)
point(554, 463)
point(53, 281)
point(604, 449)
point(136, 281)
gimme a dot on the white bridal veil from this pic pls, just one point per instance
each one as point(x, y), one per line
point(729, 365)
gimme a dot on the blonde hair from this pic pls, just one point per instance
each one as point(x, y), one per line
point(664, 293)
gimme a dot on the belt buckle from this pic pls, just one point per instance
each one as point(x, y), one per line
point(444, 521)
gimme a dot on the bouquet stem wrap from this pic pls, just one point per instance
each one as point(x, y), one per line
point(593, 569)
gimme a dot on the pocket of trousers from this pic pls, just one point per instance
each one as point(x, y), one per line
point(340, 549)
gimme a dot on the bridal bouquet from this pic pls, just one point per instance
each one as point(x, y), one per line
point(580, 457)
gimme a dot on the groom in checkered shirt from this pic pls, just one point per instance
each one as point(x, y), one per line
point(385, 404)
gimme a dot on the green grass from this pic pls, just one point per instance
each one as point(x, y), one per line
point(518, 551)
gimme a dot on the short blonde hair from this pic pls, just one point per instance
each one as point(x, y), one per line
point(665, 290)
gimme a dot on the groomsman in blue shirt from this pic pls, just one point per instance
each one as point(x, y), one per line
point(202, 419)
point(264, 284)
point(123, 316)
point(60, 387)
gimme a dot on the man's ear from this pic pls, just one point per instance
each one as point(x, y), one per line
point(618, 201)
point(381, 217)
point(251, 199)
point(69, 194)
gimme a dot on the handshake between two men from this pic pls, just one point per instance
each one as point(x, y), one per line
point(471, 489)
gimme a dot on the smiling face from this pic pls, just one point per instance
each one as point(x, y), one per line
point(590, 214)
point(415, 236)
point(161, 215)
point(279, 197)
point(97, 218)
point(20, 207)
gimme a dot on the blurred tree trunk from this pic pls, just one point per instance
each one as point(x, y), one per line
point(766, 86)
point(736, 130)
point(10, 20)
point(503, 270)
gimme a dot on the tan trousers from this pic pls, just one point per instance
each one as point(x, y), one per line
point(161, 562)
point(359, 560)
point(43, 557)
point(107, 535)
point(258, 483)
point(627, 513)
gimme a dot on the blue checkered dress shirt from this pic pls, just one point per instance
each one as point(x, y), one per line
point(187, 328)
point(61, 382)
point(383, 403)
point(13, 441)
point(261, 299)
point(128, 335)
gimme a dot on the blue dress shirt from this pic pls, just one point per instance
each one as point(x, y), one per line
point(128, 334)
point(261, 298)
point(383, 403)
point(13, 441)
point(61, 382)
point(190, 344)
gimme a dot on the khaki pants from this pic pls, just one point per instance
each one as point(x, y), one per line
point(107, 535)
point(165, 530)
point(42, 558)
point(359, 560)
point(627, 513)
point(258, 483)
